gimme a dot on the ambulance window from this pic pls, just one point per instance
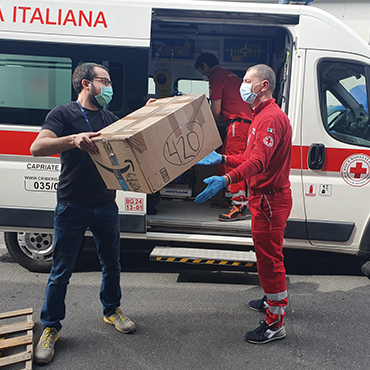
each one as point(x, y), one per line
point(344, 101)
point(34, 81)
point(151, 87)
point(333, 106)
point(192, 87)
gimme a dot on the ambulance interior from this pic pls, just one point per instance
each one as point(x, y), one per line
point(176, 43)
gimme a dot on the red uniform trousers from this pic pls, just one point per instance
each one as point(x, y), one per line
point(236, 143)
point(269, 215)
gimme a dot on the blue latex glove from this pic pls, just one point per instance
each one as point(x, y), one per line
point(215, 184)
point(211, 158)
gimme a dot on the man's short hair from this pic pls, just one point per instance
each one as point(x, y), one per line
point(208, 58)
point(84, 72)
point(265, 72)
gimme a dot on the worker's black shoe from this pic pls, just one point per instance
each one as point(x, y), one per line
point(222, 203)
point(265, 333)
point(259, 304)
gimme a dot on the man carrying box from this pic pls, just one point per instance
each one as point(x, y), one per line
point(83, 201)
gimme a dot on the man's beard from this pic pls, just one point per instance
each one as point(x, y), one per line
point(93, 100)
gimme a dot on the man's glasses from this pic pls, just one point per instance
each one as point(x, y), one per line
point(105, 81)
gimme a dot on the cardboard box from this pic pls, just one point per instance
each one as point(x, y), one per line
point(150, 147)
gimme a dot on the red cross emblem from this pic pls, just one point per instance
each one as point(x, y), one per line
point(268, 141)
point(355, 170)
point(358, 170)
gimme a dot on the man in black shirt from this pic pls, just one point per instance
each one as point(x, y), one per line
point(83, 201)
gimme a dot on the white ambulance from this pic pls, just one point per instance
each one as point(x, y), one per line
point(150, 47)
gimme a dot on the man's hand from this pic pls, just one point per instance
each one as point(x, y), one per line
point(83, 141)
point(212, 158)
point(150, 100)
point(215, 184)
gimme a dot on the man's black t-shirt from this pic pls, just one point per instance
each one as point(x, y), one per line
point(79, 181)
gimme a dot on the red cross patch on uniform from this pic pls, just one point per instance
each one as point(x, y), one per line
point(268, 141)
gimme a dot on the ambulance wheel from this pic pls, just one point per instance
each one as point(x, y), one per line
point(31, 250)
point(365, 268)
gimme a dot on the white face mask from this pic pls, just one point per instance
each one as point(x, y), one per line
point(246, 92)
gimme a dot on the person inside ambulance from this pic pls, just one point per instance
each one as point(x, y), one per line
point(265, 165)
point(227, 104)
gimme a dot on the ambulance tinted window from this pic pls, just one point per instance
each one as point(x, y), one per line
point(193, 87)
point(344, 101)
point(36, 82)
point(36, 76)
point(151, 87)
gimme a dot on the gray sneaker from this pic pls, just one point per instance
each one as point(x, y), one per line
point(120, 321)
point(44, 351)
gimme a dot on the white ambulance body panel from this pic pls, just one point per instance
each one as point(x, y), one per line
point(115, 23)
point(321, 66)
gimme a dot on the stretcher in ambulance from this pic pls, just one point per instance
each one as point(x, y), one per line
point(323, 75)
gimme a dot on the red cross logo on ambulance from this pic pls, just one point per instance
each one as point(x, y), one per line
point(355, 170)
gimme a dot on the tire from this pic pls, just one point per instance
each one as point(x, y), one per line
point(33, 251)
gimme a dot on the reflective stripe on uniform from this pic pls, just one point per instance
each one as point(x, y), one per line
point(240, 193)
point(276, 310)
point(277, 296)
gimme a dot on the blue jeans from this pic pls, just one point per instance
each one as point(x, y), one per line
point(70, 224)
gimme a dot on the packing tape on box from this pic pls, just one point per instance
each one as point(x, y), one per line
point(142, 118)
point(113, 160)
point(174, 124)
point(179, 119)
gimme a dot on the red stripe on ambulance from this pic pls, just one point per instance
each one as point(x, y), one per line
point(17, 142)
point(333, 160)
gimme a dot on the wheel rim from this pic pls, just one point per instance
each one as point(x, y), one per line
point(36, 246)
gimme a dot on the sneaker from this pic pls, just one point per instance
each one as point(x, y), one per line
point(222, 203)
point(120, 321)
point(234, 214)
point(259, 304)
point(44, 351)
point(265, 333)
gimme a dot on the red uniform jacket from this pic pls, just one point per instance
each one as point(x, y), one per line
point(265, 164)
point(225, 85)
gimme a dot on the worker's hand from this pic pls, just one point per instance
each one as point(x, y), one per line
point(83, 141)
point(215, 184)
point(150, 100)
point(211, 158)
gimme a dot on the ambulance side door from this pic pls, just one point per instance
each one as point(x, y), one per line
point(336, 149)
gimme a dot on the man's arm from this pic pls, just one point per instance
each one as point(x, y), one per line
point(47, 143)
point(216, 109)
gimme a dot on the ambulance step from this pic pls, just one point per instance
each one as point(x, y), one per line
point(204, 256)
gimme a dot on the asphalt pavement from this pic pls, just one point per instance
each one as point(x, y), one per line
point(197, 320)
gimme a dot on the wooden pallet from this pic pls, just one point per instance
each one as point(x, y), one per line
point(15, 335)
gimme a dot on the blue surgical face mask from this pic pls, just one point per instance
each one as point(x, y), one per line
point(105, 96)
point(246, 92)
